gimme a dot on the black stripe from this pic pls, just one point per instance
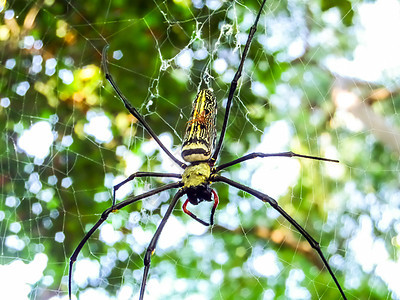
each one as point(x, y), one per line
point(195, 140)
point(194, 151)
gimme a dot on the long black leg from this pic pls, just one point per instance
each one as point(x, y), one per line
point(234, 84)
point(260, 154)
point(265, 198)
point(133, 110)
point(141, 174)
point(154, 240)
point(104, 217)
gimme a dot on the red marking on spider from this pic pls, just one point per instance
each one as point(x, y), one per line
point(216, 201)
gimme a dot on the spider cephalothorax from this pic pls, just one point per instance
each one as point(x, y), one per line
point(197, 148)
point(196, 175)
point(196, 185)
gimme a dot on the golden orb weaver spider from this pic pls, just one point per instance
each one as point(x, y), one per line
point(200, 151)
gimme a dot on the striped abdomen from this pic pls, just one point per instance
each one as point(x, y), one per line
point(199, 140)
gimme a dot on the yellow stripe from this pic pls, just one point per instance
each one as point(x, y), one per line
point(194, 114)
point(203, 101)
point(200, 98)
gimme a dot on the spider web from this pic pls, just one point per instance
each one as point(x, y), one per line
point(67, 140)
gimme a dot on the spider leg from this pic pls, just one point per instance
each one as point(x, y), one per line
point(234, 84)
point(216, 201)
point(141, 174)
point(133, 110)
point(154, 240)
point(260, 154)
point(104, 217)
point(265, 198)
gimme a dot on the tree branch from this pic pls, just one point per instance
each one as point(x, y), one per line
point(348, 101)
point(280, 237)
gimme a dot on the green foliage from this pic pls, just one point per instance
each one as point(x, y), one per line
point(76, 179)
point(345, 8)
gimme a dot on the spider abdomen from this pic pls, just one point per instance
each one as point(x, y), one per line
point(199, 140)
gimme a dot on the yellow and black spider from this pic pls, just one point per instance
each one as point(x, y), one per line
point(200, 151)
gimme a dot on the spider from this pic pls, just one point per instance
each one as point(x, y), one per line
point(200, 152)
point(202, 118)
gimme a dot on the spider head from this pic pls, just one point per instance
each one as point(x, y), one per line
point(200, 193)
